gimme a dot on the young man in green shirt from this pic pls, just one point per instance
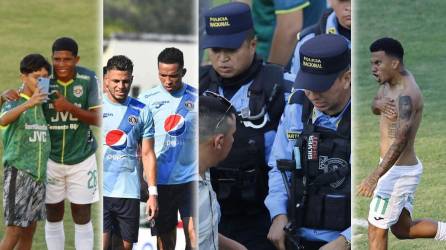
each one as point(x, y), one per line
point(26, 145)
point(72, 170)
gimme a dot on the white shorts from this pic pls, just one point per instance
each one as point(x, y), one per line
point(78, 182)
point(395, 190)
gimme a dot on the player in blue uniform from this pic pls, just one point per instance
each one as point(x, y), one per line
point(173, 105)
point(127, 123)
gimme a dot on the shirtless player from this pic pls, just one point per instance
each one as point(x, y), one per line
point(399, 104)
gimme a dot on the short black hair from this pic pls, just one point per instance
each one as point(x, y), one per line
point(65, 43)
point(32, 63)
point(251, 34)
point(171, 56)
point(211, 112)
point(121, 63)
point(390, 46)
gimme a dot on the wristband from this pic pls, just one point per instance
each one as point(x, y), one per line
point(153, 190)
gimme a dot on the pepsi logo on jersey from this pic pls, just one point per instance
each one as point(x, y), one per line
point(175, 125)
point(116, 139)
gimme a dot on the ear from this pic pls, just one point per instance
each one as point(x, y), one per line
point(183, 72)
point(253, 43)
point(218, 141)
point(347, 79)
point(22, 77)
point(395, 64)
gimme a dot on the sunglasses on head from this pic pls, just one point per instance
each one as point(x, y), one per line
point(222, 100)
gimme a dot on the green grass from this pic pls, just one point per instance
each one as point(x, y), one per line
point(419, 26)
point(31, 27)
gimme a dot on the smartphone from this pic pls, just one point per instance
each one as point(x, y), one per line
point(43, 84)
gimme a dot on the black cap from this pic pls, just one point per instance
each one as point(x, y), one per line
point(322, 58)
point(227, 26)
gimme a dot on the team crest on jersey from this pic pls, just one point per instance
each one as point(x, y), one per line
point(116, 139)
point(189, 105)
point(331, 164)
point(175, 125)
point(78, 91)
point(133, 120)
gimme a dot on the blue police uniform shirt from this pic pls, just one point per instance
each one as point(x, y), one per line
point(276, 200)
point(175, 119)
point(330, 28)
point(121, 160)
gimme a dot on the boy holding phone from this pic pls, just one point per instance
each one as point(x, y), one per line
point(27, 146)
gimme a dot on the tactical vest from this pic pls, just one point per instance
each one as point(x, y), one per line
point(241, 180)
point(325, 160)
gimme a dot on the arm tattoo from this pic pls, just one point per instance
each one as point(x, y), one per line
point(405, 107)
point(401, 135)
point(392, 130)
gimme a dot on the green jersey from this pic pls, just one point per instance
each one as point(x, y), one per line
point(264, 17)
point(72, 140)
point(26, 141)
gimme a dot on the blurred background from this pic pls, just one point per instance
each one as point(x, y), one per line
point(141, 29)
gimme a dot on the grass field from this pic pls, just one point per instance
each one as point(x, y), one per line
point(31, 27)
point(419, 25)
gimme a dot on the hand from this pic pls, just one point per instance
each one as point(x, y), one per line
point(368, 185)
point(61, 104)
point(36, 98)
point(276, 233)
point(388, 108)
point(152, 207)
point(10, 95)
point(339, 243)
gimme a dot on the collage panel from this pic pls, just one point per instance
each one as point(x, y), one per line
point(274, 124)
point(399, 55)
point(150, 115)
point(50, 53)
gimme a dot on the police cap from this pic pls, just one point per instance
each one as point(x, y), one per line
point(322, 58)
point(227, 26)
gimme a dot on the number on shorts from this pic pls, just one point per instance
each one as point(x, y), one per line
point(92, 182)
point(378, 200)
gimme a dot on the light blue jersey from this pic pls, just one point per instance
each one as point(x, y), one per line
point(124, 126)
point(175, 119)
point(284, 142)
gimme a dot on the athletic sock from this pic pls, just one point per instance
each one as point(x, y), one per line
point(83, 236)
point(54, 235)
point(441, 231)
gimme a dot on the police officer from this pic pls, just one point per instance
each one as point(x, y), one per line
point(255, 91)
point(314, 136)
point(336, 20)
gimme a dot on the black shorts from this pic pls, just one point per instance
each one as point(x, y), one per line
point(23, 198)
point(121, 216)
point(174, 198)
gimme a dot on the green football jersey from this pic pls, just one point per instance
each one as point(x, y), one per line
point(26, 141)
point(264, 17)
point(72, 140)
